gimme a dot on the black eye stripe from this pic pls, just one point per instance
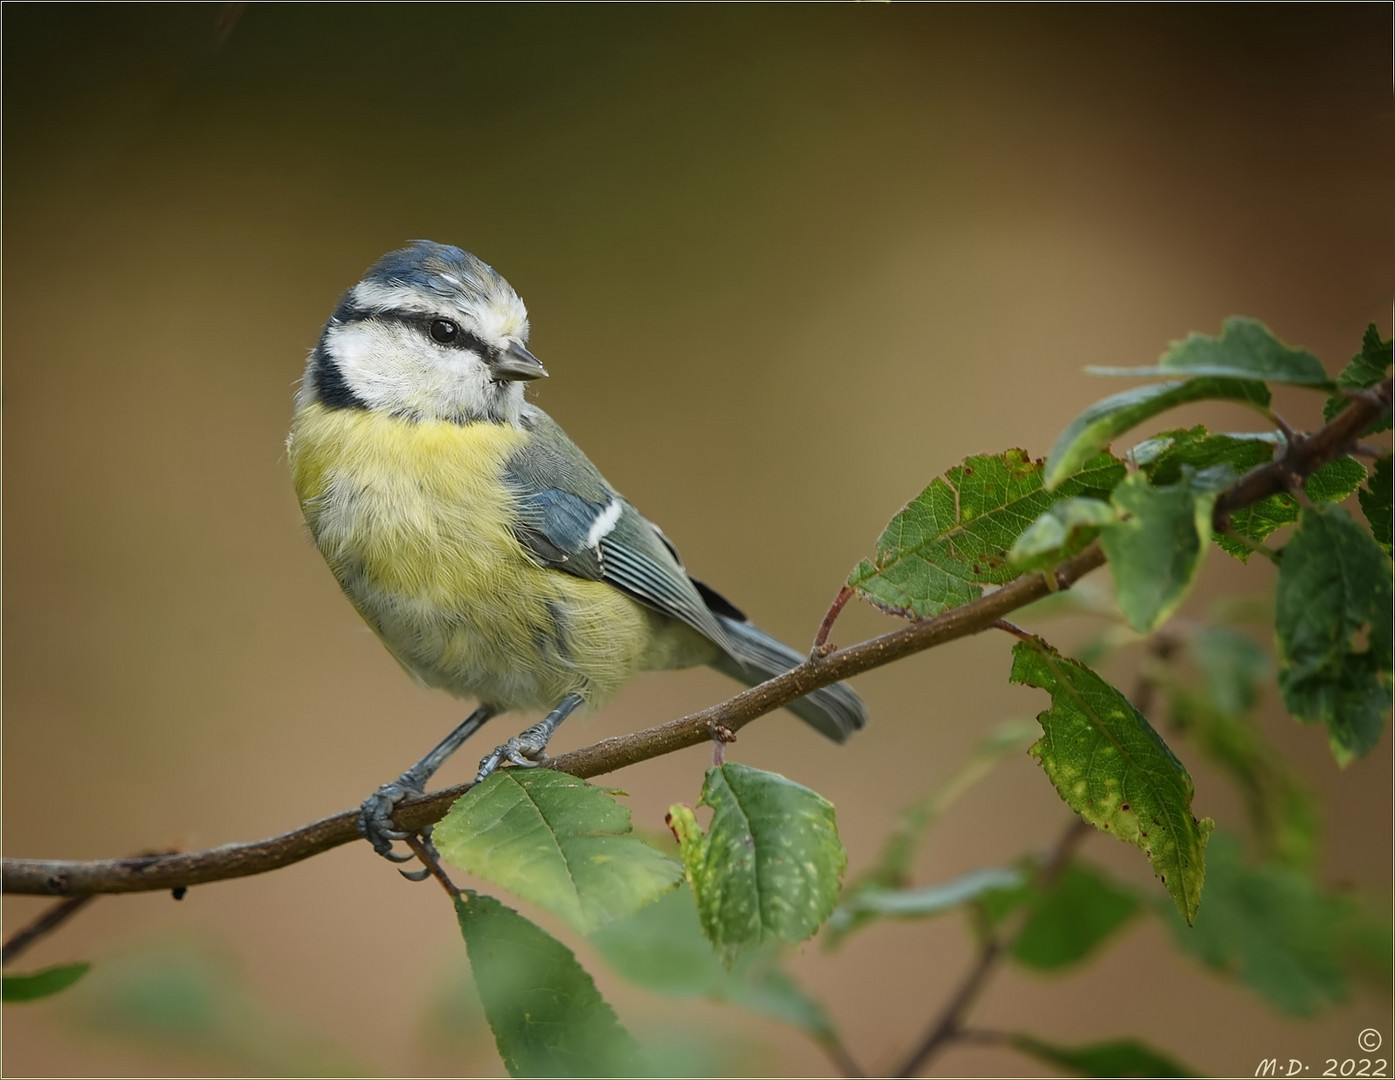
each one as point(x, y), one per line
point(463, 338)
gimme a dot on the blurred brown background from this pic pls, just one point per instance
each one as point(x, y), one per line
point(785, 265)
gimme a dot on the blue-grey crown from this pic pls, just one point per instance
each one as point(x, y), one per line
point(444, 269)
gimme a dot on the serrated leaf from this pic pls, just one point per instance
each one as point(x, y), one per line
point(1269, 927)
point(662, 948)
point(1064, 529)
point(41, 984)
point(953, 538)
point(1156, 545)
point(1106, 420)
point(1335, 480)
point(1375, 502)
point(1114, 770)
point(1366, 368)
point(547, 1017)
point(558, 842)
point(1332, 483)
point(1165, 456)
point(770, 865)
point(1245, 350)
point(1115, 1057)
point(1334, 584)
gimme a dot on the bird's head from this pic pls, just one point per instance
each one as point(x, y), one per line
point(430, 333)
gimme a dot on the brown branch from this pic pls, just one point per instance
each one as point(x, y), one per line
point(146, 873)
point(1306, 454)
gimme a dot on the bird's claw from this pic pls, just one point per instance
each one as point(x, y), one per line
point(525, 752)
point(375, 817)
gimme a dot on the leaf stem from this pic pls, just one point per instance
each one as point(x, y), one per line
point(821, 647)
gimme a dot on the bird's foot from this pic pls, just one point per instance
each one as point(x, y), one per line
point(376, 822)
point(529, 748)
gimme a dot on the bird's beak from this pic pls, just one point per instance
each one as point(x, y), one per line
point(517, 364)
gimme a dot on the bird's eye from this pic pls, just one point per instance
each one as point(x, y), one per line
point(443, 331)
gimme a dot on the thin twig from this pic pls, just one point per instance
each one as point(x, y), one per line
point(143, 874)
point(1013, 629)
point(50, 920)
point(427, 854)
point(826, 626)
point(948, 1025)
point(72, 878)
point(839, 1055)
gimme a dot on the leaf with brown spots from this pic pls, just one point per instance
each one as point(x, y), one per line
point(1110, 766)
point(953, 538)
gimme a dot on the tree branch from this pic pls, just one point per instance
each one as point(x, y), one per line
point(147, 873)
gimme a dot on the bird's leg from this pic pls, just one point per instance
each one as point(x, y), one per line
point(375, 815)
point(529, 748)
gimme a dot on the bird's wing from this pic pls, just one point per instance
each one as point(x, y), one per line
point(571, 520)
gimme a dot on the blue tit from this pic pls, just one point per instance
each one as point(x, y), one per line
point(477, 540)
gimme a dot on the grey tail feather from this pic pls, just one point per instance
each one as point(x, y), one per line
point(833, 711)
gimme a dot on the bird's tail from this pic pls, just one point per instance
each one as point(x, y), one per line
point(833, 711)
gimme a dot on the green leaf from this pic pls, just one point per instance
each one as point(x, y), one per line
point(1245, 350)
point(1334, 584)
point(1071, 919)
point(1156, 546)
point(769, 867)
point(928, 901)
point(1165, 456)
point(1281, 809)
point(953, 538)
point(1366, 368)
point(194, 1002)
point(40, 984)
point(1116, 1057)
point(1269, 927)
point(1331, 483)
point(1233, 665)
point(556, 841)
point(1335, 480)
point(1375, 502)
point(1064, 923)
point(1113, 769)
point(1106, 420)
point(547, 1017)
point(1060, 532)
point(662, 948)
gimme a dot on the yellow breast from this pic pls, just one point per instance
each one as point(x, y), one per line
point(414, 520)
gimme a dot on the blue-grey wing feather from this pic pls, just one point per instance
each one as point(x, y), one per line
point(562, 498)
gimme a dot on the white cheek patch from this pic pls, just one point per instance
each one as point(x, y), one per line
point(394, 369)
point(605, 523)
